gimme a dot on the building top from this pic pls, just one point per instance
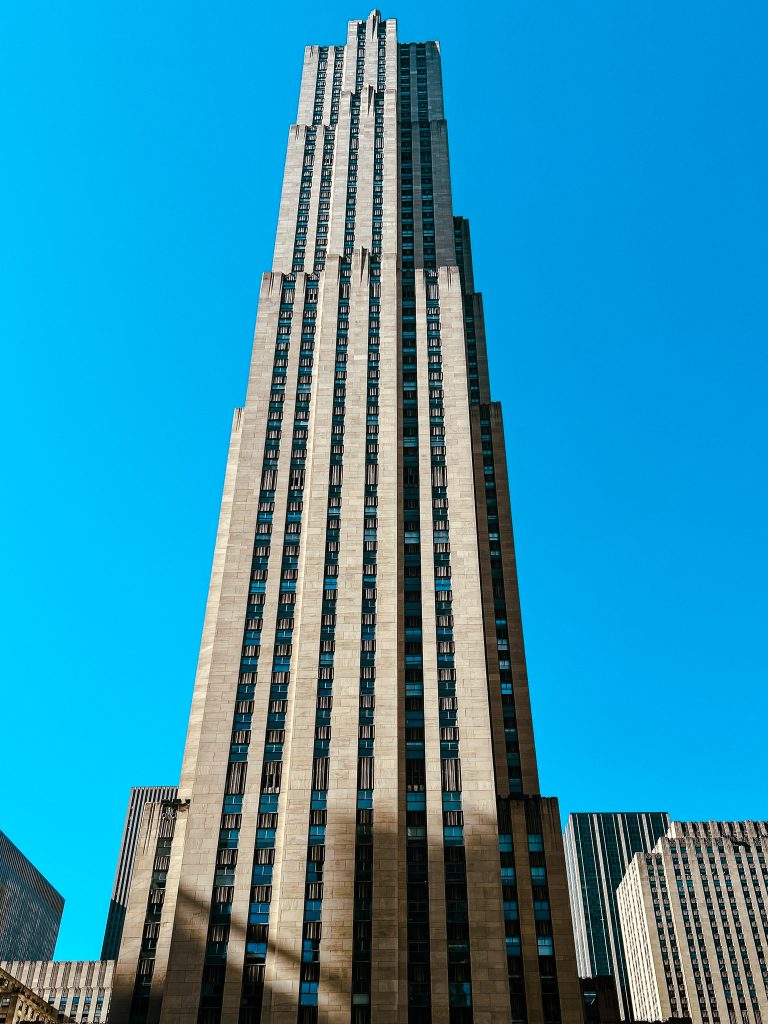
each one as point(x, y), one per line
point(736, 831)
point(578, 815)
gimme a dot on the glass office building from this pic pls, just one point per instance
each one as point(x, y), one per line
point(30, 908)
point(598, 850)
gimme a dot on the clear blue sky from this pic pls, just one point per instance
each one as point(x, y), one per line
point(612, 158)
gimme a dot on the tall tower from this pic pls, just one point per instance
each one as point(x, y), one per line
point(359, 834)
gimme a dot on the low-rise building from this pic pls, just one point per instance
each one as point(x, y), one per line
point(19, 1003)
point(139, 798)
point(694, 924)
point(77, 990)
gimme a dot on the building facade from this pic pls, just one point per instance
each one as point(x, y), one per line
point(139, 798)
point(693, 917)
point(598, 849)
point(19, 1003)
point(30, 908)
point(77, 990)
point(359, 834)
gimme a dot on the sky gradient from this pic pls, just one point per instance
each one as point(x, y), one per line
point(612, 160)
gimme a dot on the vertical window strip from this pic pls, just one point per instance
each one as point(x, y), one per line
point(354, 140)
point(417, 892)
point(305, 193)
point(313, 887)
point(378, 175)
point(324, 203)
point(360, 65)
point(537, 866)
point(515, 976)
point(381, 69)
point(469, 315)
point(146, 963)
point(363, 881)
point(536, 856)
point(425, 158)
point(322, 71)
point(454, 853)
point(262, 860)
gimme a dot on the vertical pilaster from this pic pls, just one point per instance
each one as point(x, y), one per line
point(388, 861)
point(289, 199)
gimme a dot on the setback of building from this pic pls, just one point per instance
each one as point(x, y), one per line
point(139, 798)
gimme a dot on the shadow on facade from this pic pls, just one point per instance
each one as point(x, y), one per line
point(433, 946)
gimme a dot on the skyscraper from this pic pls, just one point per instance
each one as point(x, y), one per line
point(693, 915)
point(30, 908)
point(598, 849)
point(359, 834)
point(140, 796)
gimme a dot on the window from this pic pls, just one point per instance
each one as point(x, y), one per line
point(541, 910)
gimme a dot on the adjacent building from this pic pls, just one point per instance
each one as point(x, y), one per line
point(76, 990)
point(139, 798)
point(359, 833)
point(30, 908)
point(19, 1003)
point(601, 1004)
point(693, 917)
point(598, 850)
